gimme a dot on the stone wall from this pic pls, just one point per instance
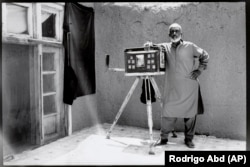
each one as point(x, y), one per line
point(218, 27)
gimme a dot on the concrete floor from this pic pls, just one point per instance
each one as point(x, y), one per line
point(127, 146)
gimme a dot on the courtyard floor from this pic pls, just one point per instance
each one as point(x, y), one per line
point(126, 146)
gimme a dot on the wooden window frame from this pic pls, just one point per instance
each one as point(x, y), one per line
point(58, 10)
point(34, 24)
point(30, 21)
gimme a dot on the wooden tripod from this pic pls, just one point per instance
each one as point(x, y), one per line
point(147, 79)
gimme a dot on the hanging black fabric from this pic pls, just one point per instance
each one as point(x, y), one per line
point(200, 103)
point(143, 94)
point(79, 44)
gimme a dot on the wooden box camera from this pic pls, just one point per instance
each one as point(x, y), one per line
point(143, 61)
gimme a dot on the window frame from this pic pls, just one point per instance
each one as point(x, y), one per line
point(58, 10)
point(29, 6)
point(34, 35)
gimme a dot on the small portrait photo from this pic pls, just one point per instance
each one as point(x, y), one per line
point(140, 61)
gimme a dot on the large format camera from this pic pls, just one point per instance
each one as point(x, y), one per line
point(144, 61)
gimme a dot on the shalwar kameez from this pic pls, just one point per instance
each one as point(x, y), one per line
point(182, 98)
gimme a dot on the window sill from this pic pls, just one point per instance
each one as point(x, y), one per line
point(26, 40)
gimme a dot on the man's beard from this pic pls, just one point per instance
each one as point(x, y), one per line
point(176, 39)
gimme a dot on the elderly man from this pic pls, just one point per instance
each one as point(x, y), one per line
point(181, 98)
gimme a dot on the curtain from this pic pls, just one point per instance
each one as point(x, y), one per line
point(79, 45)
point(143, 94)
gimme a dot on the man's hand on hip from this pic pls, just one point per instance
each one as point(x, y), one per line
point(194, 74)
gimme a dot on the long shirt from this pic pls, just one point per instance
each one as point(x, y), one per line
point(181, 93)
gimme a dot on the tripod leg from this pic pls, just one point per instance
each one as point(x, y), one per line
point(149, 113)
point(157, 91)
point(123, 106)
point(150, 124)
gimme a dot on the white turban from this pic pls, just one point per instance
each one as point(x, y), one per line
point(174, 25)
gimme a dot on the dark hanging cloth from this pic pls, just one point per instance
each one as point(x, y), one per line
point(143, 94)
point(200, 103)
point(79, 44)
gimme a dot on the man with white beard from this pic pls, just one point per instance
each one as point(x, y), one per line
point(181, 97)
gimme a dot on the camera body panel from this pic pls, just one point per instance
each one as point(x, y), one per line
point(144, 61)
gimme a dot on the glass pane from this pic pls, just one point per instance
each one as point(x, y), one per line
point(17, 19)
point(48, 62)
point(49, 83)
point(49, 104)
point(50, 125)
point(48, 24)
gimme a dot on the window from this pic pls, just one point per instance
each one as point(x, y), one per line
point(51, 19)
point(48, 82)
point(18, 18)
point(48, 24)
point(36, 21)
point(51, 91)
point(17, 15)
